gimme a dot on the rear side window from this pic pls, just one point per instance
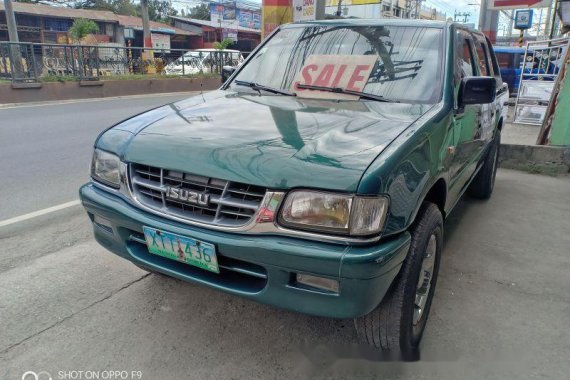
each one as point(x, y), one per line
point(465, 62)
point(483, 59)
point(494, 63)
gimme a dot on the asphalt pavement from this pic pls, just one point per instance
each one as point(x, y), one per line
point(500, 311)
point(45, 149)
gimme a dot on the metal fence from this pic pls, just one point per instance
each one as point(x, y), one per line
point(30, 62)
point(540, 69)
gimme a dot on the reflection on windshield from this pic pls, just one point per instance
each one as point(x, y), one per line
point(407, 68)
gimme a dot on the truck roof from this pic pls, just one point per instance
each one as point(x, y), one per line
point(377, 22)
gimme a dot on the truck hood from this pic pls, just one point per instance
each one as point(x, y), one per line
point(278, 142)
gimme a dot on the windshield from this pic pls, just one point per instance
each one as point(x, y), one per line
point(407, 67)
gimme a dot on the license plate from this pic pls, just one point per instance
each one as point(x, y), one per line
point(181, 248)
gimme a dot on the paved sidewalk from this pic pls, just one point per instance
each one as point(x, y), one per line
point(500, 311)
point(518, 134)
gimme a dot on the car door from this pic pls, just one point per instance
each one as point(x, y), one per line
point(466, 118)
point(502, 88)
point(487, 122)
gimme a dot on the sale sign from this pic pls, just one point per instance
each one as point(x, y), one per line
point(349, 72)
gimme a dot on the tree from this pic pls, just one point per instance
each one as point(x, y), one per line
point(200, 12)
point(124, 7)
point(81, 28)
point(121, 7)
point(159, 10)
point(226, 42)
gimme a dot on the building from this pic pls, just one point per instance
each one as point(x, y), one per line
point(383, 9)
point(163, 36)
point(46, 24)
point(245, 39)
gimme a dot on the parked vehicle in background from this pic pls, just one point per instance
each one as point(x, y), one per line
point(510, 62)
point(202, 60)
point(318, 177)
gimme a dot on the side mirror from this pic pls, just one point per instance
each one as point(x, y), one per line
point(227, 72)
point(477, 90)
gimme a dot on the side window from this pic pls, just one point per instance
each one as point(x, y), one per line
point(465, 62)
point(494, 62)
point(483, 58)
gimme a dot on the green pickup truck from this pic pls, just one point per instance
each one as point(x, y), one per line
point(318, 177)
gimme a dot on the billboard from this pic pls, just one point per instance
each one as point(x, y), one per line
point(275, 13)
point(216, 12)
point(245, 18)
point(229, 12)
point(248, 18)
point(304, 10)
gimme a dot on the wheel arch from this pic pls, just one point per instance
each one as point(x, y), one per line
point(437, 194)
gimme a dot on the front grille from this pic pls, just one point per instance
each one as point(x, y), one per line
point(231, 204)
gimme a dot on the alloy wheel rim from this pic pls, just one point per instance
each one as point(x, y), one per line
point(425, 279)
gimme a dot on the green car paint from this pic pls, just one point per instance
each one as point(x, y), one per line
point(408, 152)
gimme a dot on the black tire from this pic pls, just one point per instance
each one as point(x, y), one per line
point(390, 327)
point(482, 185)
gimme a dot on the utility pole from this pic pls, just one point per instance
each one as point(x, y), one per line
point(11, 21)
point(553, 24)
point(147, 53)
point(339, 8)
point(16, 56)
point(458, 15)
point(147, 41)
point(418, 9)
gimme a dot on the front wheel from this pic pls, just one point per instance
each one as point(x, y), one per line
point(398, 323)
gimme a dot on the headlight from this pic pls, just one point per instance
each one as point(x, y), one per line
point(105, 168)
point(334, 213)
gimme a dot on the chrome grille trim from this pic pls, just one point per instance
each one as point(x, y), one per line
point(231, 204)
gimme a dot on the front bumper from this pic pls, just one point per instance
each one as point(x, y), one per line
point(261, 268)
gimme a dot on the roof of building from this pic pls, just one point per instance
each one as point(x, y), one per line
point(215, 24)
point(136, 23)
point(107, 16)
point(62, 12)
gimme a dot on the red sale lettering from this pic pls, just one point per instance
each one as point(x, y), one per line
point(342, 71)
point(338, 76)
point(325, 76)
point(306, 76)
point(356, 77)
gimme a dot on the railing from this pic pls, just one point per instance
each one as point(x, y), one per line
point(32, 62)
point(539, 72)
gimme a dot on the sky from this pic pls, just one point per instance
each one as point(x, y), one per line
point(450, 6)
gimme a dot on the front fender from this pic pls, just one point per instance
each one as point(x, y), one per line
point(410, 166)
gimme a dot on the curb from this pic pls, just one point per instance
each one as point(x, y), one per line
point(553, 160)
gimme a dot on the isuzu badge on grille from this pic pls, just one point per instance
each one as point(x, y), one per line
point(187, 196)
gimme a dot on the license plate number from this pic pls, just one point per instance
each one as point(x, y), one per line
point(181, 248)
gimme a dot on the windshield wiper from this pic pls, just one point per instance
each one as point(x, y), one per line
point(340, 90)
point(260, 87)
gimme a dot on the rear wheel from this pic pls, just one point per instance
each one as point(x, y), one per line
point(484, 182)
point(398, 323)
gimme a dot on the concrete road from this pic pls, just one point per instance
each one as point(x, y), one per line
point(45, 149)
point(501, 309)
